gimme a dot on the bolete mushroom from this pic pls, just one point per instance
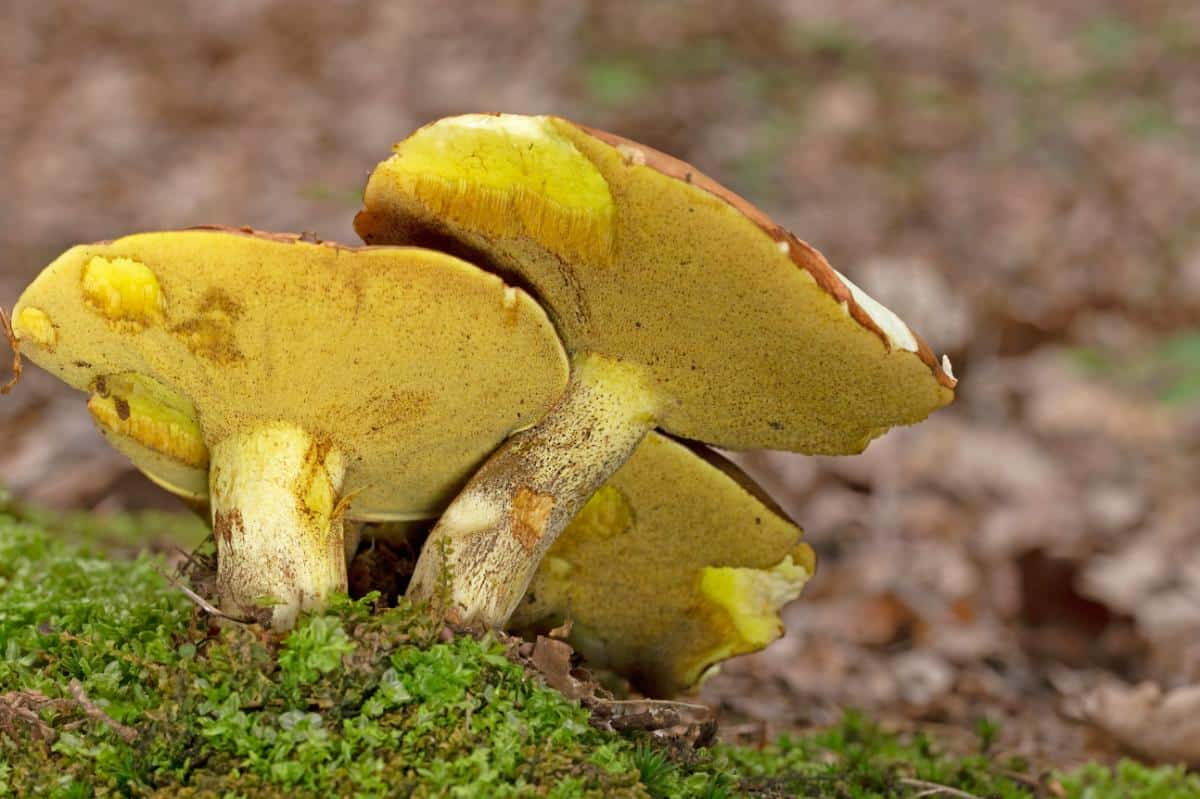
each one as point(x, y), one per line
point(292, 383)
point(678, 562)
point(681, 305)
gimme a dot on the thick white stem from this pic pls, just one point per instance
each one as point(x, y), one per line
point(482, 554)
point(274, 491)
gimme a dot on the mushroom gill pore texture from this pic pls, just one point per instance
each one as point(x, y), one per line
point(292, 384)
point(681, 306)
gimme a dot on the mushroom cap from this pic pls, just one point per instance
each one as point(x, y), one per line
point(748, 335)
point(413, 363)
point(679, 561)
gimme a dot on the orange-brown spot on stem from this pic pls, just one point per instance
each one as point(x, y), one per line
point(530, 515)
point(225, 523)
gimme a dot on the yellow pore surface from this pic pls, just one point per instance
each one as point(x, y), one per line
point(743, 345)
point(670, 567)
point(530, 183)
point(753, 597)
point(35, 324)
point(412, 363)
point(122, 289)
point(144, 410)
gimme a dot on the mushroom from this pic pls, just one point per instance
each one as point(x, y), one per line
point(292, 384)
point(679, 561)
point(682, 307)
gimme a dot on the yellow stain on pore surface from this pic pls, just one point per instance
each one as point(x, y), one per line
point(509, 176)
point(557, 567)
point(605, 515)
point(122, 289)
point(35, 324)
point(314, 480)
point(753, 597)
point(140, 408)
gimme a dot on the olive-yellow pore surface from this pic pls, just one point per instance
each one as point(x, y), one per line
point(412, 363)
point(155, 428)
point(743, 347)
point(672, 566)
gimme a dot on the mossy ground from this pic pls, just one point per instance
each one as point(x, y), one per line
point(112, 683)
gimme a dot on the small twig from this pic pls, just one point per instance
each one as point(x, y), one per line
point(15, 343)
point(934, 789)
point(203, 603)
point(1024, 779)
point(189, 559)
point(127, 734)
point(653, 716)
point(23, 706)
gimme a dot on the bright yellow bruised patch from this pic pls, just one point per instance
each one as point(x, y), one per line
point(318, 495)
point(122, 289)
point(35, 324)
point(753, 597)
point(607, 514)
point(508, 176)
point(139, 408)
point(559, 568)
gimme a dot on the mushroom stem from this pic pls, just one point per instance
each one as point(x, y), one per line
point(484, 551)
point(279, 533)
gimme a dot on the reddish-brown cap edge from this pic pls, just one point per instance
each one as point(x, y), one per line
point(802, 254)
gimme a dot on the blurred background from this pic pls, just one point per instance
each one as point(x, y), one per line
point(1020, 181)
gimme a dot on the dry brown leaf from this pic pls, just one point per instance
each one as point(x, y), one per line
point(1164, 727)
point(553, 659)
point(19, 714)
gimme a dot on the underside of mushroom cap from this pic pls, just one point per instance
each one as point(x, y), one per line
point(411, 363)
point(749, 337)
point(676, 563)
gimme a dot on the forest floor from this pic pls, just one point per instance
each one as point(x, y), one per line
point(116, 682)
point(1019, 181)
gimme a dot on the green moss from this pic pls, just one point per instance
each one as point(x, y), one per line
point(113, 684)
point(1131, 780)
point(349, 703)
point(857, 759)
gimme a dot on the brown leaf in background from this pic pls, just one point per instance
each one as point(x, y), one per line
point(1163, 727)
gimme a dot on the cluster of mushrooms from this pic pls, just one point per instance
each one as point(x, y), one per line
point(549, 324)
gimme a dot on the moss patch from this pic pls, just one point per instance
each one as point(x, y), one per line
point(113, 684)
